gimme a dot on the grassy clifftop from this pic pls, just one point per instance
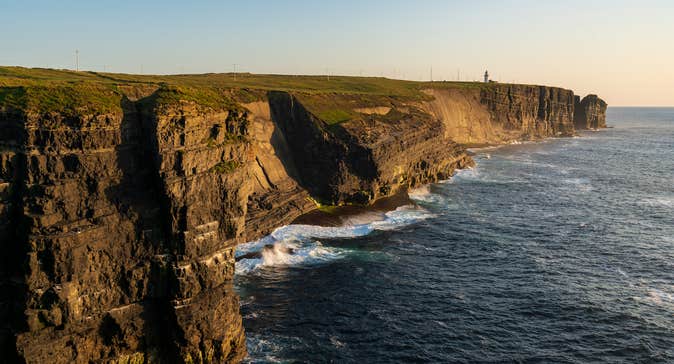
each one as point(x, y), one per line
point(19, 76)
point(333, 99)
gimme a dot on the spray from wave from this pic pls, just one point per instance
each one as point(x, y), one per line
point(293, 245)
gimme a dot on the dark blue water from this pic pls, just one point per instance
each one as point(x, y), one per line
point(560, 251)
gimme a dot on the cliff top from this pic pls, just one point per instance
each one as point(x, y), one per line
point(70, 92)
point(20, 76)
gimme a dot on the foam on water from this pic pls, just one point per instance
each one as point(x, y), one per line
point(659, 201)
point(424, 194)
point(658, 297)
point(468, 173)
point(293, 245)
point(580, 184)
point(271, 348)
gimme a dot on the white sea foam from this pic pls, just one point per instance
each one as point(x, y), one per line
point(468, 173)
point(335, 342)
point(287, 253)
point(583, 184)
point(293, 245)
point(265, 350)
point(659, 298)
point(659, 201)
point(424, 194)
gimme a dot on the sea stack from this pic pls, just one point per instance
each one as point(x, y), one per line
point(590, 113)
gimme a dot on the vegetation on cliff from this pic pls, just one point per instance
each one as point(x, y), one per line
point(70, 99)
point(332, 99)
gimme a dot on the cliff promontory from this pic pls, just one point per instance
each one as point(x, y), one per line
point(123, 198)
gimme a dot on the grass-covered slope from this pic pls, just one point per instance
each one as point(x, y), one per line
point(19, 76)
point(332, 99)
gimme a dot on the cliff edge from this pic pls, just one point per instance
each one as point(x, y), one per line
point(122, 198)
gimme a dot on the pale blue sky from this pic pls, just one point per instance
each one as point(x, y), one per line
point(622, 50)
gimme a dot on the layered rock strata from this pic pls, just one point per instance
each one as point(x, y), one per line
point(502, 112)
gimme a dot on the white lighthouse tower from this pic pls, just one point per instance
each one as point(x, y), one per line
point(486, 76)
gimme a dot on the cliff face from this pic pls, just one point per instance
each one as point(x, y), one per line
point(277, 195)
point(74, 204)
point(502, 112)
point(590, 113)
point(119, 226)
point(124, 219)
point(365, 159)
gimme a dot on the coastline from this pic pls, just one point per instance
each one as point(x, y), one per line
point(150, 183)
point(530, 233)
point(335, 216)
point(332, 216)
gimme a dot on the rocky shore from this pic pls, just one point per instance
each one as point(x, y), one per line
point(122, 201)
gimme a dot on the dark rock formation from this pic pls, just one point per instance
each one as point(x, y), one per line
point(590, 113)
point(363, 160)
point(115, 224)
point(118, 229)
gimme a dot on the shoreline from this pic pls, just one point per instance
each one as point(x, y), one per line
point(336, 216)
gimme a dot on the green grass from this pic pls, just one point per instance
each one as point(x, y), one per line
point(328, 209)
point(332, 100)
point(205, 97)
point(19, 76)
point(335, 116)
point(69, 99)
point(225, 167)
point(228, 139)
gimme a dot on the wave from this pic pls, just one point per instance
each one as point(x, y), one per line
point(659, 201)
point(424, 194)
point(293, 245)
point(468, 173)
point(657, 297)
point(580, 184)
point(266, 350)
point(476, 175)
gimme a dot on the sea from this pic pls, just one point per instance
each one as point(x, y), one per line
point(558, 251)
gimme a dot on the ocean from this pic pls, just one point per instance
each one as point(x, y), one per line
point(560, 251)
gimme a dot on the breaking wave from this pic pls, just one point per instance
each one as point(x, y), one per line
point(424, 194)
point(293, 245)
point(658, 201)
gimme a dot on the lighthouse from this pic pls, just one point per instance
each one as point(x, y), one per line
point(486, 76)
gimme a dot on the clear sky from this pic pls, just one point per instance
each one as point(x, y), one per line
point(622, 50)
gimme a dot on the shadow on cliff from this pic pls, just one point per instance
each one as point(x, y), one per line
point(13, 236)
point(138, 194)
point(139, 198)
point(321, 156)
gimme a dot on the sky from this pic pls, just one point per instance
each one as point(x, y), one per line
point(621, 50)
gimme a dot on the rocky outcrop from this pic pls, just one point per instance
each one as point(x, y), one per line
point(119, 226)
point(590, 113)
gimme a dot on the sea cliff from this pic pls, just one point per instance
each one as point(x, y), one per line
point(122, 198)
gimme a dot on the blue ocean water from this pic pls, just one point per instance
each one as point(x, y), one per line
point(554, 252)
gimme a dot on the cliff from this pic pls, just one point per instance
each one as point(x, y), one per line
point(122, 198)
point(499, 113)
point(590, 113)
